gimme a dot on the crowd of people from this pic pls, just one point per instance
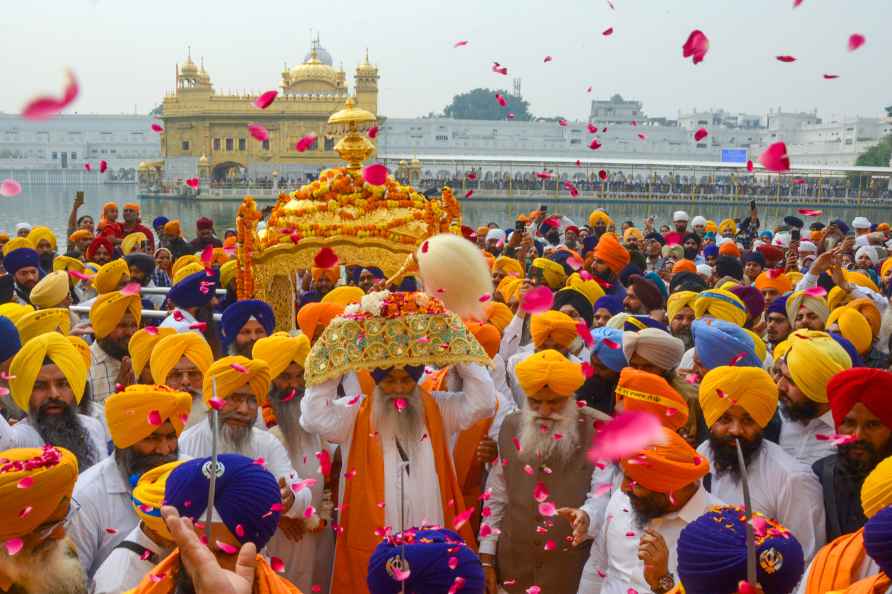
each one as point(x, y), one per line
point(159, 435)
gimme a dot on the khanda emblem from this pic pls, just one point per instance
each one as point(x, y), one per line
point(771, 560)
point(397, 568)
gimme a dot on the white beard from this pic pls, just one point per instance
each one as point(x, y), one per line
point(407, 426)
point(236, 439)
point(51, 569)
point(540, 446)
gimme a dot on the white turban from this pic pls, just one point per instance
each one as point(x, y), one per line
point(680, 215)
point(21, 226)
point(657, 346)
point(704, 270)
point(698, 221)
point(781, 239)
point(496, 234)
point(861, 223)
point(807, 247)
point(870, 252)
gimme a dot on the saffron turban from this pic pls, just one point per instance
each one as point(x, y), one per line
point(38, 322)
point(14, 312)
point(749, 387)
point(611, 303)
point(657, 346)
point(589, 288)
point(439, 559)
point(712, 554)
point(801, 299)
point(498, 314)
point(79, 235)
point(28, 361)
point(195, 290)
point(173, 228)
point(678, 301)
point(280, 350)
point(246, 498)
point(232, 373)
point(599, 217)
point(877, 536)
point(719, 343)
point(168, 351)
point(577, 300)
point(666, 467)
point(67, 263)
point(861, 279)
point(51, 290)
point(20, 258)
point(853, 326)
point(185, 271)
point(729, 248)
point(632, 232)
point(108, 310)
point(184, 261)
point(722, 305)
point(332, 274)
point(52, 472)
point(886, 268)
point(147, 497)
point(38, 234)
point(608, 348)
point(109, 277)
point(239, 313)
point(552, 272)
point(684, 265)
point(612, 253)
point(313, 316)
point(509, 266)
point(487, 335)
point(509, 288)
point(135, 413)
point(344, 295)
point(554, 325)
point(131, 241)
point(773, 279)
point(813, 358)
point(876, 492)
point(227, 272)
point(650, 393)
point(10, 342)
point(141, 344)
point(870, 387)
point(865, 306)
point(549, 370)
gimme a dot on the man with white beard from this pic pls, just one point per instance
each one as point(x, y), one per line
point(180, 361)
point(544, 461)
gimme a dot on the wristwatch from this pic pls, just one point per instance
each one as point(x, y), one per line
point(664, 584)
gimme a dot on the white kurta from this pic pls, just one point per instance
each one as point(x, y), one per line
point(801, 441)
point(24, 435)
point(333, 419)
point(782, 488)
point(124, 569)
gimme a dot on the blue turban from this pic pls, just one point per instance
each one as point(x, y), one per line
point(767, 233)
point(612, 356)
point(756, 257)
point(640, 322)
point(428, 554)
point(712, 554)
point(779, 305)
point(246, 494)
point(626, 274)
point(237, 315)
point(409, 285)
point(711, 251)
point(878, 539)
point(718, 342)
point(849, 348)
point(21, 258)
point(841, 225)
point(561, 258)
point(611, 303)
point(9, 339)
point(655, 279)
point(159, 222)
point(190, 292)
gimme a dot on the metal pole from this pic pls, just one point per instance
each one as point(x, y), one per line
point(212, 489)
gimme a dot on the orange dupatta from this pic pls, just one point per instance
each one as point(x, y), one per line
point(360, 515)
point(835, 564)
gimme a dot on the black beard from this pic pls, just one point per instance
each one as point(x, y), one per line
point(799, 412)
point(724, 454)
point(46, 261)
point(859, 469)
point(244, 350)
point(65, 430)
point(691, 253)
point(112, 348)
point(646, 509)
point(132, 465)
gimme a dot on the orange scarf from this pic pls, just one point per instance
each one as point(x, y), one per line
point(266, 581)
point(875, 584)
point(360, 514)
point(835, 564)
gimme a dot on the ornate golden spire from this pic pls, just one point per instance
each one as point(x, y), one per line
point(352, 123)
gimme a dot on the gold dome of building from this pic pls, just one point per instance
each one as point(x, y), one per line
point(189, 68)
point(314, 70)
point(315, 75)
point(367, 67)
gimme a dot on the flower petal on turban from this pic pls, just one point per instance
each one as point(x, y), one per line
point(130, 414)
point(231, 373)
point(170, 349)
point(749, 387)
point(813, 358)
point(141, 344)
point(29, 360)
point(666, 467)
point(549, 370)
point(280, 350)
point(108, 310)
point(554, 325)
point(870, 387)
point(800, 299)
point(651, 393)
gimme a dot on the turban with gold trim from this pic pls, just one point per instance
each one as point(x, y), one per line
point(773, 279)
point(52, 473)
point(51, 290)
point(332, 273)
point(510, 266)
point(38, 322)
point(38, 234)
point(813, 358)
point(813, 303)
point(108, 310)
point(231, 373)
point(109, 277)
point(344, 295)
point(138, 411)
point(498, 314)
point(168, 351)
point(651, 393)
point(280, 350)
point(549, 370)
point(678, 301)
point(131, 241)
point(487, 335)
point(853, 326)
point(612, 253)
point(722, 305)
point(148, 497)
point(29, 360)
point(666, 467)
point(141, 344)
point(749, 387)
point(876, 492)
point(552, 272)
point(554, 325)
point(316, 316)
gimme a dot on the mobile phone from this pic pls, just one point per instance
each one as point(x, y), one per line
point(795, 235)
point(543, 208)
point(752, 205)
point(79, 196)
point(519, 226)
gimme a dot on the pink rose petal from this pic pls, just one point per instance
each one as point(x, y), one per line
point(375, 174)
point(696, 46)
point(193, 182)
point(785, 58)
point(25, 483)
point(306, 142)
point(594, 144)
point(808, 212)
point(266, 99)
point(856, 40)
point(239, 367)
point(400, 575)
point(547, 509)
point(452, 563)
point(485, 297)
point(88, 167)
point(157, 128)
point(501, 99)
point(816, 291)
point(373, 132)
point(642, 136)
point(154, 418)
point(461, 43)
point(540, 492)
point(775, 158)
point(749, 166)
point(103, 166)
point(10, 187)
point(258, 132)
point(602, 175)
point(45, 107)
point(626, 435)
point(547, 59)
point(324, 459)
point(111, 530)
point(325, 258)
point(537, 299)
point(226, 547)
point(13, 546)
point(607, 32)
point(216, 403)
point(401, 404)
point(585, 334)
point(700, 134)
point(462, 518)
point(277, 564)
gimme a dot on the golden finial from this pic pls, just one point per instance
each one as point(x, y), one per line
point(352, 123)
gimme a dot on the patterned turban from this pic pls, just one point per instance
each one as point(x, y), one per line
point(344, 295)
point(554, 325)
point(109, 277)
point(552, 272)
point(510, 266)
point(608, 348)
point(719, 343)
point(51, 290)
point(813, 358)
point(280, 350)
point(666, 467)
point(38, 322)
point(774, 279)
point(148, 497)
point(315, 315)
point(141, 344)
point(498, 314)
point(549, 370)
point(647, 392)
point(657, 346)
point(29, 360)
point(135, 413)
point(170, 349)
point(612, 253)
point(108, 310)
point(722, 305)
point(800, 299)
point(678, 301)
point(232, 373)
point(487, 335)
point(239, 313)
point(749, 387)
point(870, 387)
point(853, 327)
point(38, 234)
point(876, 492)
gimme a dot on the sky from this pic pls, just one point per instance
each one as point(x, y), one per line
point(124, 52)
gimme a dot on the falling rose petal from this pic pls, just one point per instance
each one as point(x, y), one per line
point(594, 144)
point(744, 587)
point(25, 483)
point(735, 360)
point(88, 167)
point(200, 326)
point(325, 258)
point(193, 182)
point(457, 585)
point(324, 459)
point(537, 300)
point(305, 142)
point(154, 418)
point(103, 166)
point(309, 511)
point(603, 489)
point(562, 122)
point(13, 546)
point(239, 367)
point(610, 344)
point(239, 530)
point(131, 289)
point(856, 40)
point(585, 334)
point(602, 175)
point(400, 575)
point(45, 107)
point(259, 461)
point(775, 158)
point(469, 193)
point(547, 509)
point(226, 547)
point(642, 136)
point(258, 132)
point(592, 129)
point(461, 43)
point(543, 175)
point(533, 590)
point(816, 291)
point(373, 132)
point(499, 69)
point(354, 400)
point(10, 187)
point(510, 115)
point(516, 443)
point(157, 128)
point(528, 469)
point(578, 163)
point(485, 530)
point(26, 511)
point(587, 370)
point(831, 76)
point(808, 212)
point(696, 46)
point(471, 176)
point(625, 435)
point(540, 492)
point(785, 58)
point(111, 530)
point(548, 59)
point(452, 563)
point(485, 297)
point(610, 4)
point(750, 166)
point(549, 545)
point(700, 134)
point(574, 191)
point(588, 89)
point(501, 99)
point(277, 564)
point(303, 484)
point(375, 174)
point(607, 32)
point(796, 3)
point(401, 404)
point(798, 181)
point(157, 577)
point(350, 474)
point(462, 518)
point(266, 99)
point(216, 403)
point(602, 573)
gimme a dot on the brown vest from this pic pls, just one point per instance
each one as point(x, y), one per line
point(521, 554)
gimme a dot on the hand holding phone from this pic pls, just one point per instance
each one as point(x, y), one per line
point(78, 199)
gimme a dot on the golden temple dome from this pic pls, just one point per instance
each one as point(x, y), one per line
point(189, 68)
point(313, 70)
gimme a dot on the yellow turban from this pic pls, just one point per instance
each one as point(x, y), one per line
point(52, 471)
point(722, 305)
point(750, 387)
point(853, 326)
point(187, 270)
point(135, 413)
point(108, 278)
point(861, 279)
point(552, 272)
point(599, 217)
point(15, 311)
point(867, 308)
point(148, 497)
point(728, 226)
point(837, 297)
point(498, 314)
point(801, 299)
point(173, 228)
point(509, 266)
point(280, 350)
point(67, 263)
point(82, 348)
point(678, 301)
point(344, 295)
point(141, 344)
point(711, 226)
point(876, 492)
point(509, 288)
point(885, 268)
point(556, 325)
point(80, 234)
point(29, 360)
point(589, 288)
point(314, 317)
point(16, 243)
point(108, 310)
point(549, 370)
point(51, 290)
point(38, 234)
point(131, 241)
point(227, 273)
point(758, 344)
point(794, 277)
point(813, 358)
point(773, 279)
point(168, 351)
point(184, 261)
point(43, 320)
point(632, 232)
point(231, 373)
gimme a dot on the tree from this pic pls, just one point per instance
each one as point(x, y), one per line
point(481, 104)
point(157, 111)
point(888, 109)
point(878, 155)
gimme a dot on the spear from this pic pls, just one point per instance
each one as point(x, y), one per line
point(748, 516)
point(213, 419)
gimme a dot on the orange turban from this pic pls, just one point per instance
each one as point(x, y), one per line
point(168, 351)
point(135, 413)
point(173, 228)
point(774, 279)
point(231, 373)
point(141, 344)
point(498, 314)
point(612, 253)
point(487, 335)
point(648, 392)
point(549, 370)
point(80, 234)
point(666, 467)
point(108, 206)
point(684, 265)
point(52, 472)
point(749, 387)
point(729, 248)
point(313, 316)
point(332, 274)
point(556, 325)
point(131, 206)
point(108, 310)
